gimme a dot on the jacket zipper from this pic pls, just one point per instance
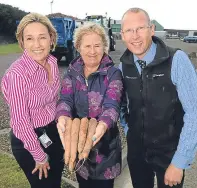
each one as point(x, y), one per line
point(143, 105)
point(142, 111)
point(86, 81)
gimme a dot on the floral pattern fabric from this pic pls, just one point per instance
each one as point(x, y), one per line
point(66, 86)
point(114, 91)
point(94, 99)
point(112, 172)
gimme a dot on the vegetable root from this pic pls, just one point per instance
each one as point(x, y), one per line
point(74, 142)
point(67, 140)
point(62, 135)
point(89, 142)
point(82, 134)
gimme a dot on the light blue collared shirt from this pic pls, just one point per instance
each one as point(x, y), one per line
point(184, 77)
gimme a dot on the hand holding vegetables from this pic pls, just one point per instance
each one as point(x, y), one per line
point(100, 131)
point(61, 125)
point(79, 136)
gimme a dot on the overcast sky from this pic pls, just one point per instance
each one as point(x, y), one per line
point(172, 14)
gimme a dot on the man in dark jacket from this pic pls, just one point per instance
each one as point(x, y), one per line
point(160, 105)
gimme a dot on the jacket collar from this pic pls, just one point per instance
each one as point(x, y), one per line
point(77, 65)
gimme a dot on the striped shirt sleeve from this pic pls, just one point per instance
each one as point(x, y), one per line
point(14, 90)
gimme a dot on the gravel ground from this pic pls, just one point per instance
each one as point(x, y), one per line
point(5, 143)
point(4, 118)
point(66, 185)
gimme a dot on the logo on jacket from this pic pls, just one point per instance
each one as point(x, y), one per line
point(132, 78)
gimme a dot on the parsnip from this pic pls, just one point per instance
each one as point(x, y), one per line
point(74, 142)
point(88, 145)
point(82, 134)
point(67, 140)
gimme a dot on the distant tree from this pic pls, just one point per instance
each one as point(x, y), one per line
point(8, 17)
point(60, 15)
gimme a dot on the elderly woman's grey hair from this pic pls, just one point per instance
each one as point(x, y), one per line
point(88, 28)
point(137, 10)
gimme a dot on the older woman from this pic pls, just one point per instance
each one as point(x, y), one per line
point(30, 87)
point(92, 88)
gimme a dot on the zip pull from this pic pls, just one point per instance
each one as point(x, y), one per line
point(86, 82)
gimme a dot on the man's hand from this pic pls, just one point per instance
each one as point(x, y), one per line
point(100, 131)
point(173, 176)
point(43, 168)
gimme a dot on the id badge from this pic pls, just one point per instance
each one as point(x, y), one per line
point(45, 140)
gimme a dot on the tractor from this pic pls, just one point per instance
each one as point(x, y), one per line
point(106, 23)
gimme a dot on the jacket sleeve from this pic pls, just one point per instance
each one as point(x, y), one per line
point(65, 103)
point(14, 90)
point(112, 99)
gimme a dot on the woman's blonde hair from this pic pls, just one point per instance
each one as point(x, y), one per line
point(31, 18)
point(90, 27)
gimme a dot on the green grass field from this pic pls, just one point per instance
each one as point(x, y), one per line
point(9, 49)
point(11, 176)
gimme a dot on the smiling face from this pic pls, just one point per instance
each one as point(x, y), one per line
point(37, 42)
point(91, 49)
point(137, 33)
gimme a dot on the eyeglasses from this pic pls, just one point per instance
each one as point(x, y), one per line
point(139, 30)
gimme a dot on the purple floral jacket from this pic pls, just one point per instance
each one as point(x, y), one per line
point(98, 97)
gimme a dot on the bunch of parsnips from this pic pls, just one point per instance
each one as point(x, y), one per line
point(77, 139)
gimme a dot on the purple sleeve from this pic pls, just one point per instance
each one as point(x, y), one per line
point(65, 103)
point(112, 100)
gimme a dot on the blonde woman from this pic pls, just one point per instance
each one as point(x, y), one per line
point(30, 87)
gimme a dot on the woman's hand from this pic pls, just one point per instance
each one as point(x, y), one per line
point(61, 127)
point(43, 167)
point(62, 120)
point(100, 131)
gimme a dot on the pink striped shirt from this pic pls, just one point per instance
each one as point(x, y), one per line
point(31, 100)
